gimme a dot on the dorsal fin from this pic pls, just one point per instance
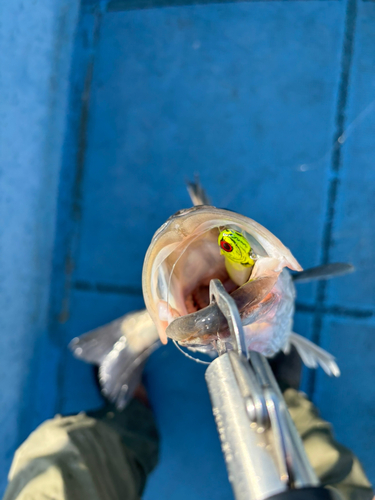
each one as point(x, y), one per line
point(197, 193)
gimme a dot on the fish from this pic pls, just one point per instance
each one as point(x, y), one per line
point(194, 246)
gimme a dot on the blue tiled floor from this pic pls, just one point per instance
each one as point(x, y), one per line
point(240, 93)
point(252, 96)
point(349, 401)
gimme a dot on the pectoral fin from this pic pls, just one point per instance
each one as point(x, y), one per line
point(324, 272)
point(313, 355)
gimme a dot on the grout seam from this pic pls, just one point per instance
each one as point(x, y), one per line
point(335, 168)
point(76, 202)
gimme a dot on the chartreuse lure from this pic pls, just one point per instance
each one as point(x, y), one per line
point(238, 255)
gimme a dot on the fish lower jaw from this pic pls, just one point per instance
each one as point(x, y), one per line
point(205, 325)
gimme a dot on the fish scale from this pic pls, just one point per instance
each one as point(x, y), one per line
point(180, 253)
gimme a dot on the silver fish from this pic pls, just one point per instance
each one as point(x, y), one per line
point(182, 258)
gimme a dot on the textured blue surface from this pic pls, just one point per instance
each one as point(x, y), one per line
point(35, 52)
point(350, 403)
point(251, 95)
point(205, 89)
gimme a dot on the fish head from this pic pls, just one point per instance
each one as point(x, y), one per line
point(188, 251)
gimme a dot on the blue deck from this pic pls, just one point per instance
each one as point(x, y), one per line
point(123, 104)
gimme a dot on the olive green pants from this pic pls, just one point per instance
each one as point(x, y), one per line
point(108, 455)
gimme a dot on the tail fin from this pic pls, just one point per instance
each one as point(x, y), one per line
point(324, 272)
point(313, 355)
point(121, 372)
point(94, 346)
point(196, 192)
point(120, 349)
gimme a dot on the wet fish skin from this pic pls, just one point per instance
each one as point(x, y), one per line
point(121, 348)
point(181, 229)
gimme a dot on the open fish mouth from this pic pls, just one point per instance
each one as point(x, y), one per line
point(198, 322)
point(182, 259)
point(254, 300)
point(185, 256)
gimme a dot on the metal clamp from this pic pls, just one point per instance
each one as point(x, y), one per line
point(228, 307)
point(262, 400)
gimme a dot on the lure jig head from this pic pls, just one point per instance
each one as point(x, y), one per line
point(235, 247)
point(238, 255)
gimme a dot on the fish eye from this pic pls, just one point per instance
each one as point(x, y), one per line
point(227, 247)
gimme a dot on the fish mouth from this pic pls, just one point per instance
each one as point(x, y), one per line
point(186, 274)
